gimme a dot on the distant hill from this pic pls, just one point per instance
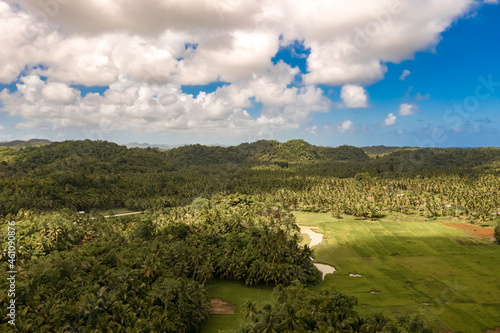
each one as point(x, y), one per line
point(98, 174)
point(29, 143)
point(147, 145)
point(263, 151)
point(164, 146)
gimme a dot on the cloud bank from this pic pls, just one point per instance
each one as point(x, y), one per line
point(146, 50)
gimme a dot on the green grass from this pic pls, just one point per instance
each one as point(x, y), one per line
point(235, 293)
point(409, 261)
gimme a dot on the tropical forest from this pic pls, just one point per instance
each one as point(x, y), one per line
point(260, 237)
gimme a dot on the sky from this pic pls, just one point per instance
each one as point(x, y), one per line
point(332, 72)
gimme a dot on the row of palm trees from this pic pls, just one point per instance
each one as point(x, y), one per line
point(298, 309)
point(474, 199)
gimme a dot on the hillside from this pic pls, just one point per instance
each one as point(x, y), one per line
point(83, 175)
point(228, 216)
point(21, 143)
point(263, 151)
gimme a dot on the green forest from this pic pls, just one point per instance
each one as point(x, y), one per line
point(209, 214)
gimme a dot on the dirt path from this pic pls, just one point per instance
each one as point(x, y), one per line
point(124, 214)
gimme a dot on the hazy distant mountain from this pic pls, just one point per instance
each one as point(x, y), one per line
point(148, 145)
point(29, 143)
point(164, 146)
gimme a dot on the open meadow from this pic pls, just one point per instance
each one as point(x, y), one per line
point(409, 265)
point(402, 265)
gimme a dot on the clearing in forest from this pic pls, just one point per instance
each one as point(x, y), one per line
point(408, 265)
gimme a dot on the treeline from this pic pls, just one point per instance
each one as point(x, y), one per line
point(86, 175)
point(22, 143)
point(298, 309)
point(147, 274)
point(472, 199)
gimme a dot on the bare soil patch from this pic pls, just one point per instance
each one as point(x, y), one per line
point(493, 331)
point(218, 306)
point(472, 230)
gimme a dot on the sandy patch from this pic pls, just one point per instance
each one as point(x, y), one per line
point(316, 238)
point(325, 269)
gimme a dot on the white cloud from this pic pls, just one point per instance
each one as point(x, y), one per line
point(406, 109)
point(95, 42)
point(390, 120)
point(354, 96)
point(420, 97)
point(350, 40)
point(59, 92)
point(153, 108)
point(141, 49)
point(404, 74)
point(1, 128)
point(345, 126)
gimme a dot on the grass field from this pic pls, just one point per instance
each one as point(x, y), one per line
point(412, 265)
point(409, 265)
point(236, 293)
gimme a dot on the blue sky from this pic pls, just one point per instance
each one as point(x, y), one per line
point(275, 83)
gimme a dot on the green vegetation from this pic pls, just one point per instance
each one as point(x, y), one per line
point(410, 265)
point(22, 144)
point(237, 294)
point(298, 309)
point(86, 175)
point(217, 223)
point(148, 272)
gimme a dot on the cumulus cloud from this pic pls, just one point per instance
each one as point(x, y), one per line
point(390, 120)
point(59, 92)
point(354, 96)
point(144, 51)
point(406, 109)
point(404, 74)
point(94, 42)
point(154, 108)
point(345, 126)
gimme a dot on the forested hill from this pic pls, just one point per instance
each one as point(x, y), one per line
point(120, 156)
point(21, 143)
point(97, 174)
point(263, 151)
